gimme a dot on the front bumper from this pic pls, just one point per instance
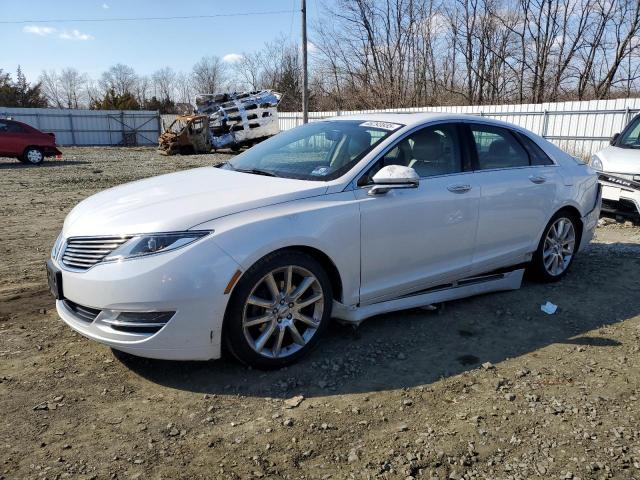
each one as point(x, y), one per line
point(620, 194)
point(189, 281)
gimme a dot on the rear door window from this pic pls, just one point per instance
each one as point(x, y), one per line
point(14, 128)
point(536, 154)
point(497, 148)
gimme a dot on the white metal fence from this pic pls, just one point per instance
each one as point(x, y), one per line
point(579, 127)
point(582, 128)
point(91, 127)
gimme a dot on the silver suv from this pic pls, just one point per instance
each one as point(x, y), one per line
point(618, 168)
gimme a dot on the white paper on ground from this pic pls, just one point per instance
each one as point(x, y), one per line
point(549, 308)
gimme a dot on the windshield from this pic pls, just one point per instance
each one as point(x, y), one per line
point(630, 138)
point(316, 151)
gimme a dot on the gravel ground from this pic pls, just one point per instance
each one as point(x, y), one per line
point(488, 387)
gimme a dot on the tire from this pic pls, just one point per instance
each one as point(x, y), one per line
point(557, 248)
point(264, 330)
point(32, 156)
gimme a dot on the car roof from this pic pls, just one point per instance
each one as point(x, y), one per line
point(415, 119)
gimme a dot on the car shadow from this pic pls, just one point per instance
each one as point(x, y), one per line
point(15, 164)
point(417, 347)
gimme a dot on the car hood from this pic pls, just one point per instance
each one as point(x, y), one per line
point(182, 200)
point(620, 160)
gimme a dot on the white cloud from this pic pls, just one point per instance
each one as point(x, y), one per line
point(105, 6)
point(232, 58)
point(37, 30)
point(311, 48)
point(75, 35)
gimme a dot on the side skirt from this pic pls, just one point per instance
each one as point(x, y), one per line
point(461, 289)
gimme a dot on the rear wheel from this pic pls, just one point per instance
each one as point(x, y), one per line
point(278, 311)
point(557, 247)
point(33, 156)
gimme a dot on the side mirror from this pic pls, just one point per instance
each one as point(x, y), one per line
point(614, 138)
point(394, 177)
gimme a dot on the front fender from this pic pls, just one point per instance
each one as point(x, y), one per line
point(329, 223)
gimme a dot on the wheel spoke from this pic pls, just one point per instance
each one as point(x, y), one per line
point(560, 229)
point(308, 320)
point(258, 320)
point(259, 302)
point(303, 287)
point(264, 337)
point(278, 345)
point(295, 334)
point(273, 287)
point(548, 260)
point(309, 301)
point(288, 284)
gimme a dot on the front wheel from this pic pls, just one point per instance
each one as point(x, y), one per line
point(33, 155)
point(557, 248)
point(278, 310)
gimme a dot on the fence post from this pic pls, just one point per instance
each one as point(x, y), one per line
point(122, 125)
point(545, 124)
point(73, 133)
point(159, 118)
point(629, 115)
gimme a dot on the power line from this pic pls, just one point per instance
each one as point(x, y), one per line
point(137, 19)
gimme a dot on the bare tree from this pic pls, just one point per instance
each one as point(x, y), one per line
point(208, 75)
point(66, 89)
point(120, 78)
point(51, 88)
point(164, 81)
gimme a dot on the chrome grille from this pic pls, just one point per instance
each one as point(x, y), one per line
point(83, 253)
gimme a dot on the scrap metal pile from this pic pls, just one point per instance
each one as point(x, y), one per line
point(234, 120)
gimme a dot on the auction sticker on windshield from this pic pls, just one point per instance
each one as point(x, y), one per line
point(384, 125)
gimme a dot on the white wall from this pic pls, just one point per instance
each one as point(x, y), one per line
point(582, 128)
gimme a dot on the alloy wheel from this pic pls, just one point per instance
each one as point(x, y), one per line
point(559, 246)
point(283, 311)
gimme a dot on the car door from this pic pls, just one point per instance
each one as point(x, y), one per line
point(12, 139)
point(517, 184)
point(5, 139)
point(413, 239)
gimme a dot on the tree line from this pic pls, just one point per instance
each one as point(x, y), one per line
point(390, 54)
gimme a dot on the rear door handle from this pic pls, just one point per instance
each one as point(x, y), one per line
point(459, 188)
point(537, 178)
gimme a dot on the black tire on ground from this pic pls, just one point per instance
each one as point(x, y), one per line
point(234, 339)
point(537, 266)
point(32, 156)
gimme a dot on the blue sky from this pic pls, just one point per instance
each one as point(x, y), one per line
point(92, 47)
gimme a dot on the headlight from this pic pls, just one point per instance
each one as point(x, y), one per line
point(56, 246)
point(142, 245)
point(596, 163)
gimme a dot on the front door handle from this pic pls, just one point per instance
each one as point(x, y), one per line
point(537, 178)
point(459, 188)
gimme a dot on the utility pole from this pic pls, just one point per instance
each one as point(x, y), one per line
point(305, 79)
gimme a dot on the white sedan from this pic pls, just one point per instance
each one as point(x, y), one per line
point(345, 218)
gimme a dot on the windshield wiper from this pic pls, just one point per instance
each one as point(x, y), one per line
point(256, 171)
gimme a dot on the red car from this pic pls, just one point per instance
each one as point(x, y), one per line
point(27, 144)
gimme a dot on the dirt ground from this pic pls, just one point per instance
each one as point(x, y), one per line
point(488, 387)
